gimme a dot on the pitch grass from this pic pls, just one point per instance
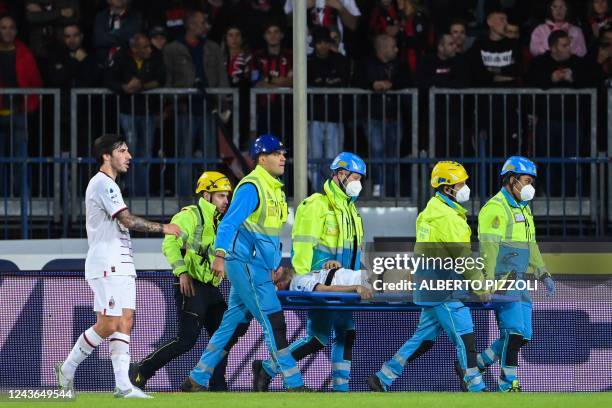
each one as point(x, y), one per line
point(332, 400)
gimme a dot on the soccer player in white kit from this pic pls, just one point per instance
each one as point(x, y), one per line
point(332, 280)
point(109, 267)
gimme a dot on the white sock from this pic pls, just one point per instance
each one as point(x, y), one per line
point(83, 347)
point(120, 356)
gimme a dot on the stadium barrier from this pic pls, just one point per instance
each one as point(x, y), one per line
point(43, 313)
point(382, 128)
point(29, 129)
point(555, 127)
point(161, 179)
point(157, 125)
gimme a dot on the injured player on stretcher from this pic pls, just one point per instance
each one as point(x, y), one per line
point(324, 280)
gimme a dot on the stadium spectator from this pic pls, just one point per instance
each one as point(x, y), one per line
point(443, 69)
point(599, 15)
point(113, 28)
point(238, 59)
point(46, 19)
point(557, 18)
point(458, 29)
point(136, 69)
point(169, 14)
point(255, 15)
point(556, 128)
point(70, 65)
point(159, 38)
point(272, 68)
point(602, 54)
point(334, 33)
point(326, 69)
point(384, 18)
point(18, 69)
point(239, 63)
point(558, 67)
point(340, 13)
point(416, 35)
point(495, 59)
point(383, 72)
point(194, 61)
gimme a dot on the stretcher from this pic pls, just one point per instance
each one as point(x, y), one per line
point(385, 302)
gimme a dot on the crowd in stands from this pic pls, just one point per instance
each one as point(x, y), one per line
point(132, 46)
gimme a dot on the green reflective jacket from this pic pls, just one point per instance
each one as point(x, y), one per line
point(327, 227)
point(507, 236)
point(193, 252)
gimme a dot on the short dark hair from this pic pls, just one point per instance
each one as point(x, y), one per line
point(568, 7)
point(105, 144)
point(6, 15)
point(496, 11)
point(133, 42)
point(440, 38)
point(555, 36)
point(457, 21)
point(78, 27)
point(272, 23)
point(191, 13)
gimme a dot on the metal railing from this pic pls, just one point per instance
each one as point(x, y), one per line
point(29, 187)
point(163, 119)
point(479, 127)
point(555, 127)
point(381, 127)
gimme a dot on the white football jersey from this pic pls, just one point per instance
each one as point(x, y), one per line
point(110, 246)
point(342, 276)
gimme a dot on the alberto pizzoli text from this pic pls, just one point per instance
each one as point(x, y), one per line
point(451, 284)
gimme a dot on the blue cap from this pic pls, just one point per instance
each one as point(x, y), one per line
point(349, 161)
point(266, 144)
point(519, 165)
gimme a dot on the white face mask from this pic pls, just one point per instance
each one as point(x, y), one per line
point(527, 192)
point(463, 195)
point(353, 188)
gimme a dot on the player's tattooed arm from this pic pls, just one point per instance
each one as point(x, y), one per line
point(136, 223)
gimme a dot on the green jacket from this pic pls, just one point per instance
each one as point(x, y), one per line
point(443, 234)
point(442, 231)
point(327, 227)
point(507, 236)
point(193, 252)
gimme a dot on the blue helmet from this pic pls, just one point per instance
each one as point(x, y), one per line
point(349, 161)
point(519, 165)
point(266, 144)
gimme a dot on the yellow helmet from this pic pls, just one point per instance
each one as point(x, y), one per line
point(448, 172)
point(212, 181)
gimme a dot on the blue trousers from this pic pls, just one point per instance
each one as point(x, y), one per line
point(452, 317)
point(318, 329)
point(515, 329)
point(252, 295)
